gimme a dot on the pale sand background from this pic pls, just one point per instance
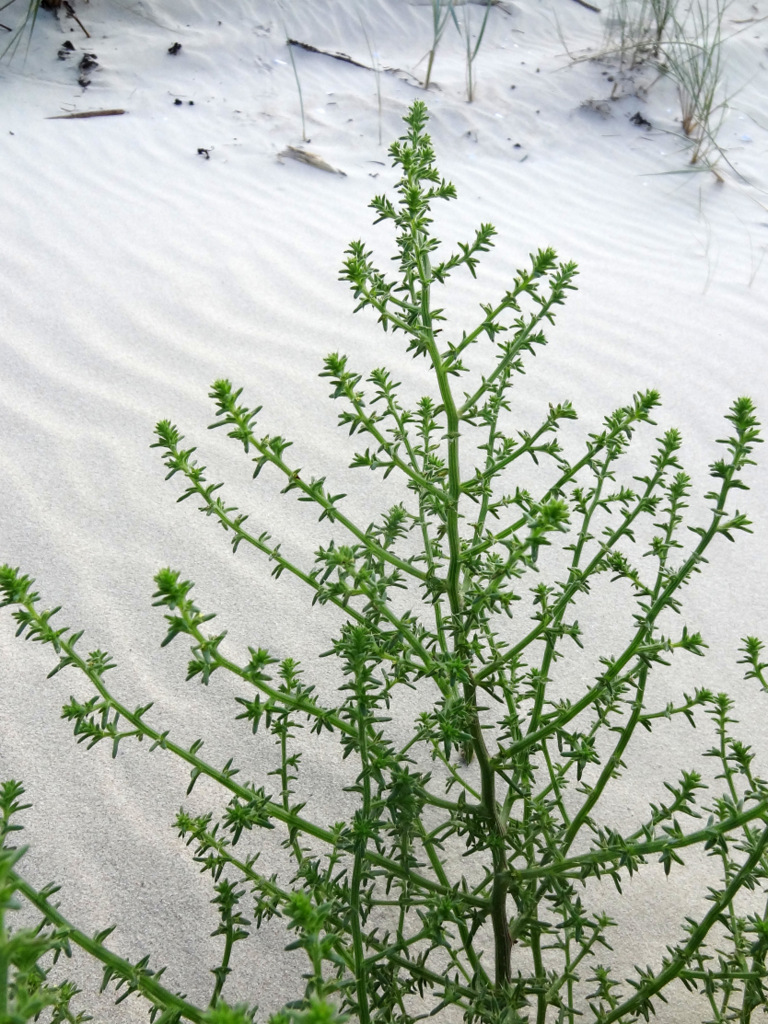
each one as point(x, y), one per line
point(133, 272)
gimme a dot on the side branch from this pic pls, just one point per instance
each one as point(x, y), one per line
point(38, 627)
point(137, 976)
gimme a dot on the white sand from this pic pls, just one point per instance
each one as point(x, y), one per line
point(134, 272)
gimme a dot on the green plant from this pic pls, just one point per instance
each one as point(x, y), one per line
point(635, 31)
point(29, 19)
point(473, 50)
point(375, 66)
point(289, 44)
point(687, 48)
point(441, 11)
point(24, 993)
point(693, 60)
point(26, 27)
point(467, 877)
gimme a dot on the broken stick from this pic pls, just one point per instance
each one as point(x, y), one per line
point(337, 55)
point(328, 53)
point(84, 113)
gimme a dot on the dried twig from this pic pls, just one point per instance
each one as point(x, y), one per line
point(71, 13)
point(328, 53)
point(85, 113)
point(336, 55)
point(590, 7)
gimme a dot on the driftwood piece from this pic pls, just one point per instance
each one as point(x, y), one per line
point(303, 156)
point(85, 113)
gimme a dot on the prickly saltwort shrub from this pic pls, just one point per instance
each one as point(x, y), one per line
point(506, 765)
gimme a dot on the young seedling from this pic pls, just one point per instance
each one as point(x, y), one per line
point(476, 888)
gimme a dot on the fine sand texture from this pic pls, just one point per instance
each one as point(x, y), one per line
point(144, 255)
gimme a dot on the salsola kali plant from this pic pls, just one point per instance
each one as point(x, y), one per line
point(467, 880)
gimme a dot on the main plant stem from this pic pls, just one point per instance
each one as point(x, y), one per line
point(499, 921)
point(361, 975)
point(3, 969)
